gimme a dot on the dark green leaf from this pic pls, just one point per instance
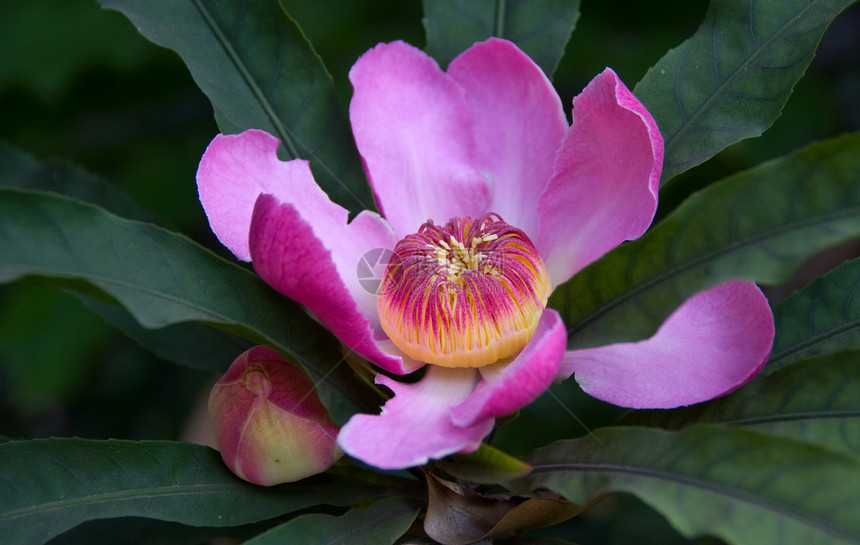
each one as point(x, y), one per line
point(52, 485)
point(821, 318)
point(814, 401)
point(19, 169)
point(541, 28)
point(191, 344)
point(536, 541)
point(758, 225)
point(737, 484)
point(140, 531)
point(260, 72)
point(379, 524)
point(730, 80)
point(163, 279)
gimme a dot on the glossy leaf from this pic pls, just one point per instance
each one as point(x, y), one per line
point(757, 225)
point(814, 401)
point(52, 485)
point(740, 485)
point(163, 279)
point(730, 80)
point(541, 28)
point(260, 72)
point(821, 318)
point(379, 524)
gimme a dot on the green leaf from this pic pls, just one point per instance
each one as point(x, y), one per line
point(757, 225)
point(20, 169)
point(52, 485)
point(814, 401)
point(730, 80)
point(379, 524)
point(821, 318)
point(260, 72)
point(163, 279)
point(541, 28)
point(191, 344)
point(141, 531)
point(737, 484)
point(486, 465)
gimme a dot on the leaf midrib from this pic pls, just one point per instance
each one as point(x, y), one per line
point(793, 417)
point(833, 332)
point(255, 89)
point(719, 488)
point(705, 105)
point(709, 256)
point(95, 279)
point(217, 318)
point(128, 495)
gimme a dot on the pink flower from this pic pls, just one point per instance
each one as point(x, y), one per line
point(270, 425)
point(488, 136)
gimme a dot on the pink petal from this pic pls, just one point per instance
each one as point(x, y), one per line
point(415, 425)
point(604, 189)
point(507, 387)
point(414, 132)
point(234, 170)
point(712, 344)
point(306, 251)
point(519, 125)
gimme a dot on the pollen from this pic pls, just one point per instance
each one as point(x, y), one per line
point(464, 294)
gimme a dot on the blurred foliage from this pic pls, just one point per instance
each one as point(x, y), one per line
point(81, 84)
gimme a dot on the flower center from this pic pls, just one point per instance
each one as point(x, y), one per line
point(465, 294)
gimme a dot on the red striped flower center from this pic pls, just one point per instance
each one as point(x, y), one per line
point(465, 294)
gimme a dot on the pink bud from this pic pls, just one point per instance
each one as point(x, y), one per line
point(270, 425)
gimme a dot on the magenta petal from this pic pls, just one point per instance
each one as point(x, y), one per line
point(519, 125)
point(415, 425)
point(315, 263)
point(234, 170)
point(712, 344)
point(507, 387)
point(414, 132)
point(604, 189)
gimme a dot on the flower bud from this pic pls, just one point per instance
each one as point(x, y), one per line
point(269, 423)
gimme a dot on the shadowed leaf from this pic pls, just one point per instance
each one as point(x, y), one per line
point(821, 318)
point(141, 531)
point(758, 225)
point(814, 401)
point(740, 485)
point(379, 524)
point(730, 80)
point(163, 279)
point(20, 169)
point(541, 28)
point(260, 72)
point(52, 485)
point(191, 344)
